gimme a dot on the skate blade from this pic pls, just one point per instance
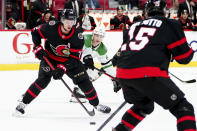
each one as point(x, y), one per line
point(17, 114)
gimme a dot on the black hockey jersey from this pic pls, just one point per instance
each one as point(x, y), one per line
point(148, 46)
point(58, 46)
point(117, 23)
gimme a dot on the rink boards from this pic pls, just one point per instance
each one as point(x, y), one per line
point(16, 49)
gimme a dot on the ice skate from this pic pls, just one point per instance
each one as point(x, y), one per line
point(103, 108)
point(20, 109)
point(79, 94)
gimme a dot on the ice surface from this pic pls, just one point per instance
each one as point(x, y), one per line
point(51, 110)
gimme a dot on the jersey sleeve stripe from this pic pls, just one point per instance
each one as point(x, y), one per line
point(140, 72)
point(177, 43)
point(75, 50)
point(183, 56)
point(57, 58)
point(41, 32)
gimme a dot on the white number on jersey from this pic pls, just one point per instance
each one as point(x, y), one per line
point(143, 40)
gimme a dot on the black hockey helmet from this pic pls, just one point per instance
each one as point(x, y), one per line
point(155, 7)
point(184, 11)
point(68, 14)
point(119, 8)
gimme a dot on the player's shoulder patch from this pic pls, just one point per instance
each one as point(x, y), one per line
point(52, 22)
point(80, 35)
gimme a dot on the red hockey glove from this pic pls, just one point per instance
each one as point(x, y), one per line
point(39, 52)
point(58, 72)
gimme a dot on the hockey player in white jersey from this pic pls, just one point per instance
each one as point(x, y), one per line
point(95, 48)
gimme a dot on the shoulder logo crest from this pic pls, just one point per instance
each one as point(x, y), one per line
point(52, 22)
point(80, 36)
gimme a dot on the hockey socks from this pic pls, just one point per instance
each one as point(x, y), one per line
point(33, 91)
point(130, 120)
point(89, 91)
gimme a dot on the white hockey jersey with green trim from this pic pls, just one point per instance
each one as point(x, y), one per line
point(99, 52)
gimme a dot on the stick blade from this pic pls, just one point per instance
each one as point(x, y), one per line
point(191, 81)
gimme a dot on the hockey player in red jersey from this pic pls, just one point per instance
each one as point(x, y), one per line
point(63, 47)
point(120, 21)
point(142, 69)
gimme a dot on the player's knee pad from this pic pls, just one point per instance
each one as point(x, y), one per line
point(184, 112)
point(182, 108)
point(89, 91)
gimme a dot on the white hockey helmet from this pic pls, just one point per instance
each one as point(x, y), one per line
point(99, 31)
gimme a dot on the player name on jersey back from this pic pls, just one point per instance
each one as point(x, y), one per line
point(150, 22)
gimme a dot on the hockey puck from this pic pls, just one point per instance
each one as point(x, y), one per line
point(92, 123)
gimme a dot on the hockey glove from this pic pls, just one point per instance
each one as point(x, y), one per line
point(39, 52)
point(88, 61)
point(58, 72)
point(117, 86)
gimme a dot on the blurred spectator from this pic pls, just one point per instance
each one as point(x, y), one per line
point(132, 4)
point(85, 21)
point(185, 21)
point(48, 15)
point(76, 5)
point(11, 16)
point(36, 12)
point(120, 21)
point(15, 8)
point(191, 7)
point(10, 23)
point(92, 4)
point(176, 4)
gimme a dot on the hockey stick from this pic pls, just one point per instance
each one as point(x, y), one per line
point(112, 115)
point(91, 113)
point(100, 70)
point(188, 81)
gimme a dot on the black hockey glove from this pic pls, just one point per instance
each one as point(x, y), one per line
point(39, 52)
point(117, 86)
point(88, 61)
point(58, 72)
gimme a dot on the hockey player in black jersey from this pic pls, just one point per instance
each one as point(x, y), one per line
point(120, 21)
point(63, 48)
point(142, 69)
